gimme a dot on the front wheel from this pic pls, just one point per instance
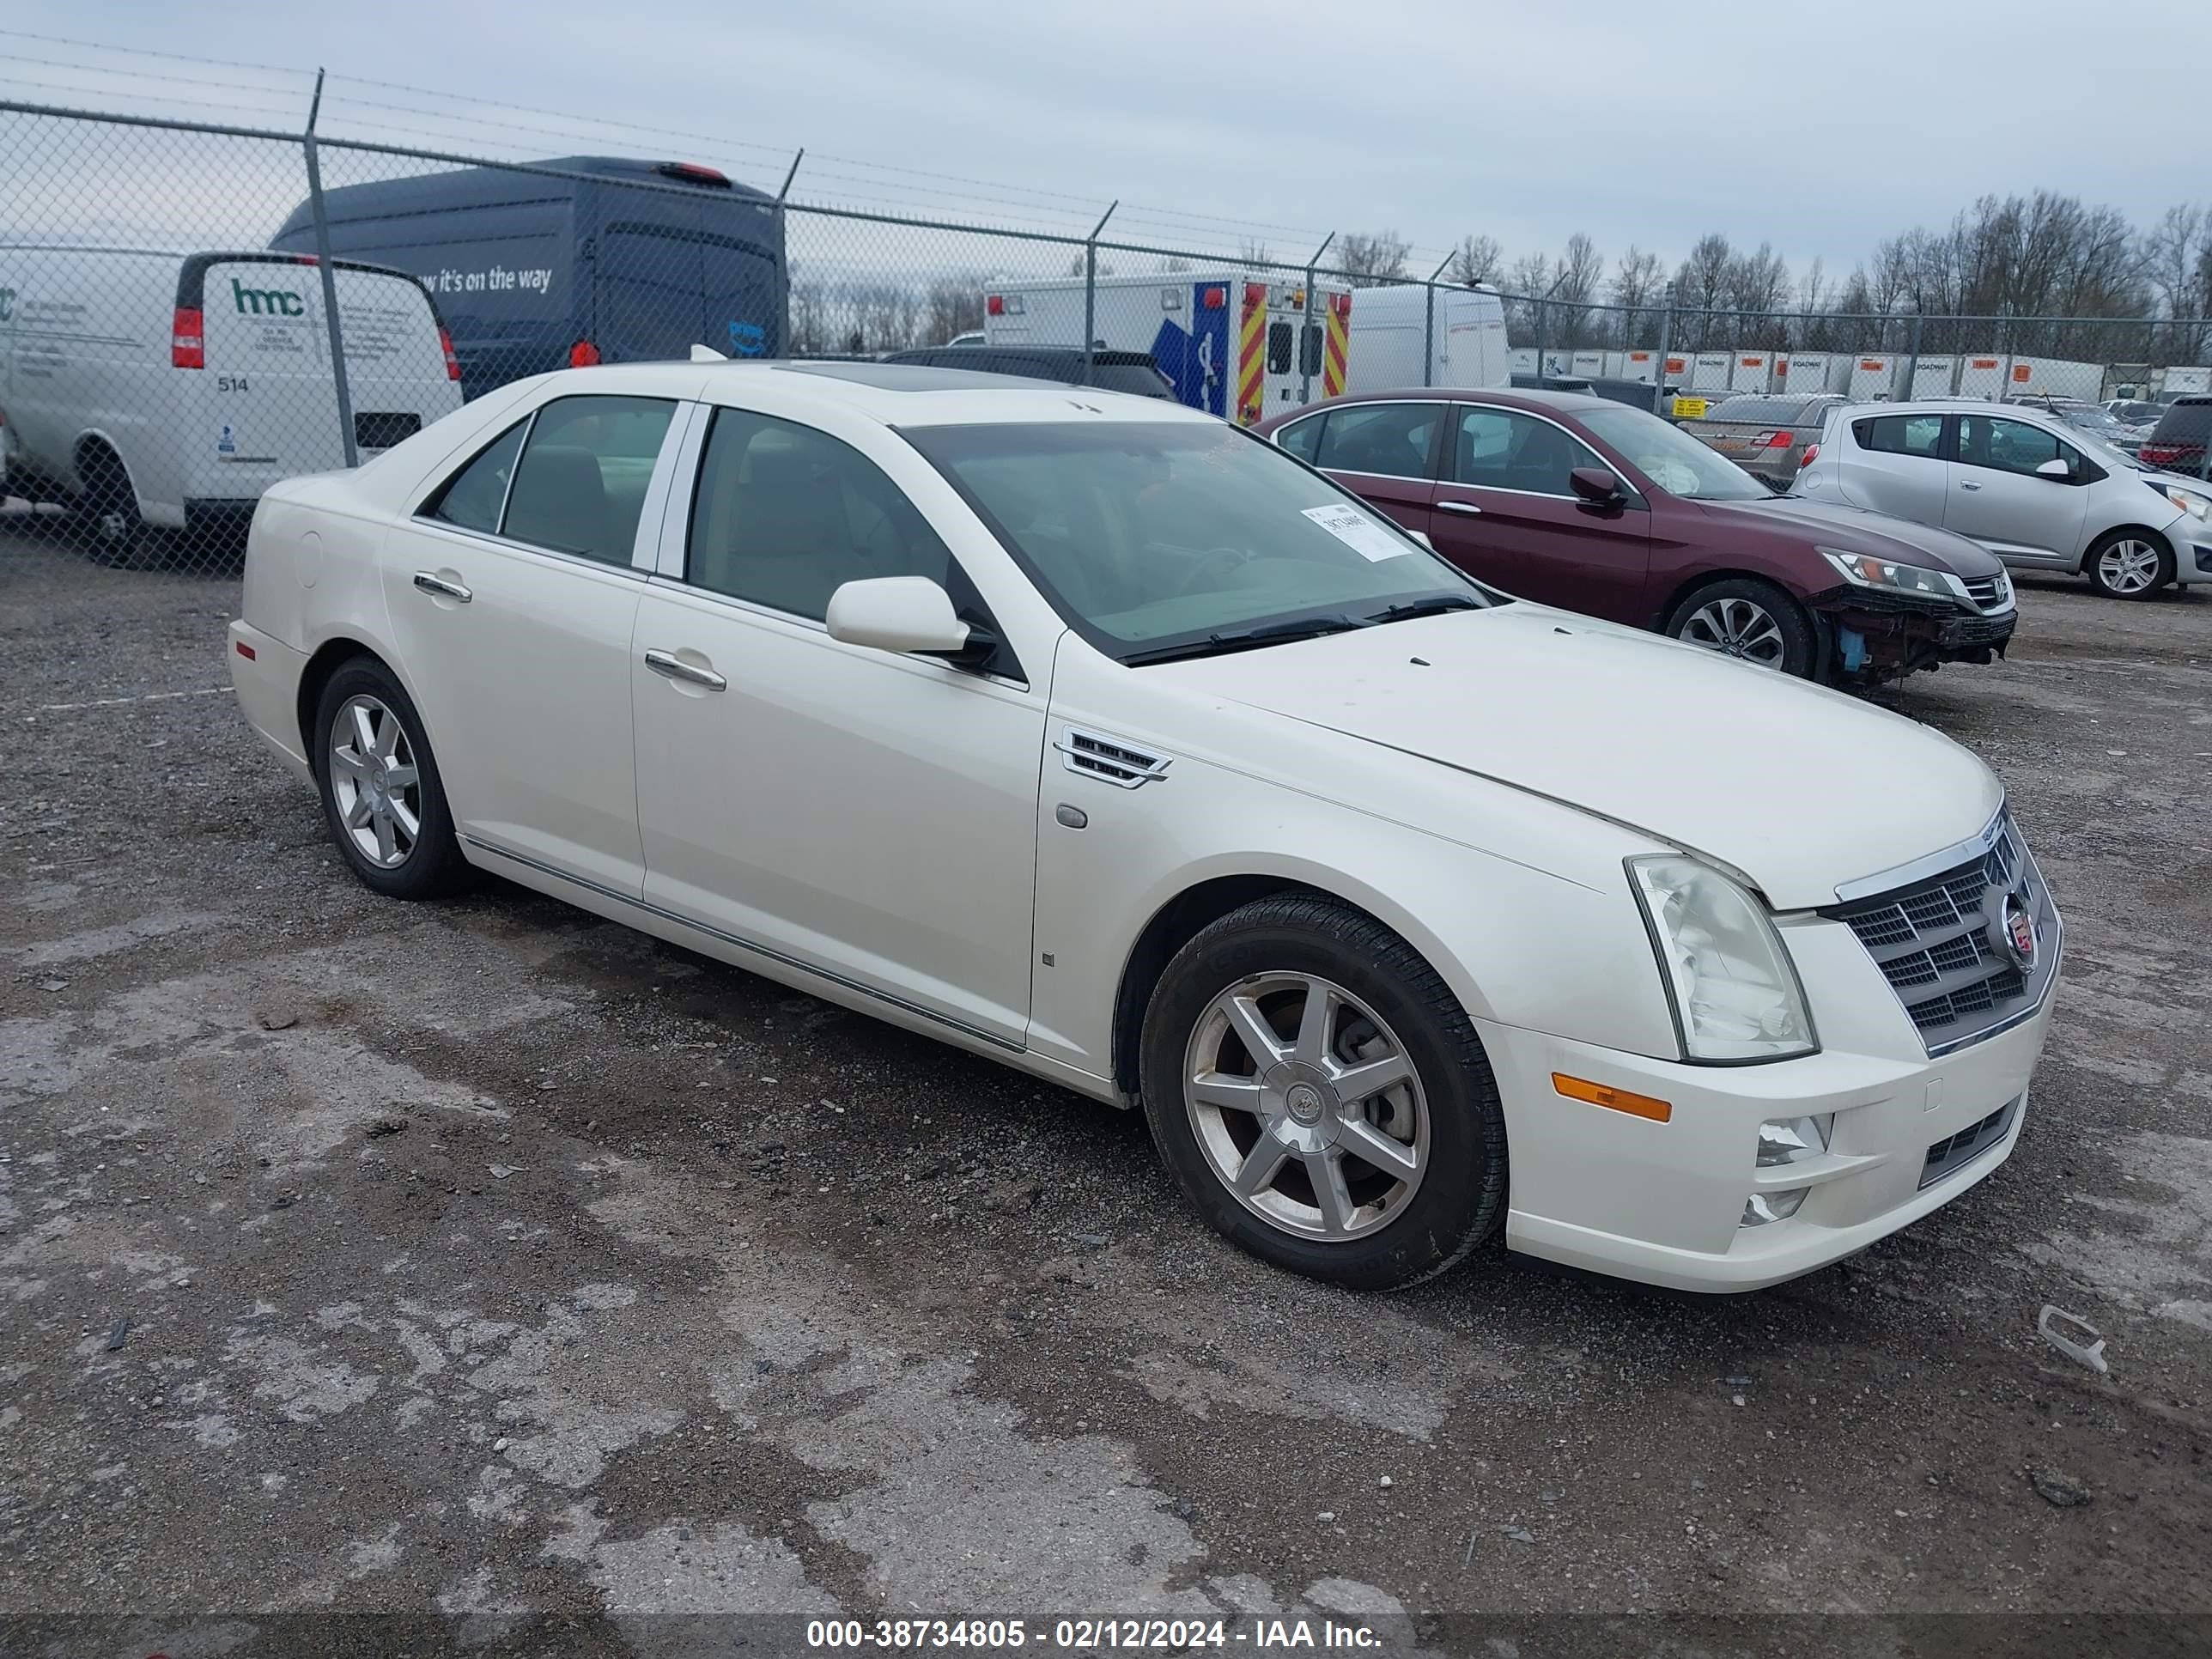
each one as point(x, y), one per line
point(2130, 564)
point(1752, 621)
point(1321, 1097)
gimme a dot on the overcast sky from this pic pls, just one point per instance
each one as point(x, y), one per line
point(1818, 127)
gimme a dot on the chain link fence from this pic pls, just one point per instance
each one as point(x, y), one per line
point(190, 312)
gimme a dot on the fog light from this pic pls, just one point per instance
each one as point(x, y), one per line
point(1762, 1207)
point(1793, 1139)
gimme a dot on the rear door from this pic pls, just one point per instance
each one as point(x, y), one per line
point(1385, 453)
point(1505, 513)
point(398, 377)
point(269, 408)
point(1895, 464)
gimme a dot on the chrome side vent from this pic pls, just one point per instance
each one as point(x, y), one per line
point(1108, 759)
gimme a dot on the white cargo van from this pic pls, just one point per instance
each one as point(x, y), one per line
point(1390, 326)
point(167, 389)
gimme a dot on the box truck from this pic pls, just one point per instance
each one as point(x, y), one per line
point(152, 389)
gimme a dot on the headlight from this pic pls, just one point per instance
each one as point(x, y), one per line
point(1864, 570)
point(1735, 995)
point(2197, 507)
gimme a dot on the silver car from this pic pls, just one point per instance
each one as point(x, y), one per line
point(2040, 494)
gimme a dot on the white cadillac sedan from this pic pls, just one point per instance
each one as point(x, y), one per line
point(1103, 739)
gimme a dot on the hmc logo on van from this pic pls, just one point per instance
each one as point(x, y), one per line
point(266, 301)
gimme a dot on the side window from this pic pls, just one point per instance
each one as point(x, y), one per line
point(1504, 449)
point(1902, 435)
point(785, 515)
point(1280, 337)
point(2011, 446)
point(1302, 438)
point(472, 497)
point(1391, 440)
point(580, 487)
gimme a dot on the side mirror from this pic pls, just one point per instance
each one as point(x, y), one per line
point(895, 613)
point(2055, 468)
point(1595, 485)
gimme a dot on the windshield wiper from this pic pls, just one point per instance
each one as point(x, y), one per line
point(1304, 627)
point(1433, 607)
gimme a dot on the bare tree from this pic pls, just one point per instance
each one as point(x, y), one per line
point(955, 305)
point(1477, 259)
point(1250, 252)
point(1369, 260)
point(1636, 289)
point(2177, 263)
point(1702, 282)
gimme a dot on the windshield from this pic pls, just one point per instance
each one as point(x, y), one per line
point(2109, 456)
point(2097, 421)
point(1148, 535)
point(1671, 457)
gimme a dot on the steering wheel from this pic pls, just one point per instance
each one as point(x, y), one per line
point(1221, 559)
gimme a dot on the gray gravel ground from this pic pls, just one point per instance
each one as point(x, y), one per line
point(485, 1259)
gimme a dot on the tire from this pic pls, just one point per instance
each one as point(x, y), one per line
point(382, 797)
point(1748, 619)
point(115, 531)
point(2129, 565)
point(1401, 1223)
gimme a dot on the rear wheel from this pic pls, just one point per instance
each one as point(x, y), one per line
point(1751, 620)
point(1321, 1096)
point(382, 797)
point(115, 533)
point(2130, 564)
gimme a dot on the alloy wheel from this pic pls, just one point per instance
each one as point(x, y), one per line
point(2129, 566)
point(376, 782)
point(1737, 628)
point(1306, 1106)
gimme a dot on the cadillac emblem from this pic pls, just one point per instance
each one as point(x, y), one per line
point(2015, 931)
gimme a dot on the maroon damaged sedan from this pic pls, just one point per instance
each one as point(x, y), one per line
point(1594, 507)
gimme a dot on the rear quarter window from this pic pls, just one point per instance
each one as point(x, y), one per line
point(1901, 435)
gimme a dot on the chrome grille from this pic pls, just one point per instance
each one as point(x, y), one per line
point(1987, 593)
point(1935, 941)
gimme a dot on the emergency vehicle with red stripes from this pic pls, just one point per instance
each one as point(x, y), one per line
point(1246, 344)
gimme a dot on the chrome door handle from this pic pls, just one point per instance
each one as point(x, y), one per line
point(430, 583)
point(1468, 507)
point(669, 665)
point(1968, 484)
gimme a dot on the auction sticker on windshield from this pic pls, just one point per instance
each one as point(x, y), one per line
point(1359, 533)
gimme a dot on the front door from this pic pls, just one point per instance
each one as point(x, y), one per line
point(1998, 499)
point(1505, 513)
point(869, 816)
point(512, 606)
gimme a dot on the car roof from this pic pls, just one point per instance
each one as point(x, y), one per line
point(895, 394)
point(1565, 403)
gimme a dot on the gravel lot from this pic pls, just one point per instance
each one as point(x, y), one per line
point(488, 1260)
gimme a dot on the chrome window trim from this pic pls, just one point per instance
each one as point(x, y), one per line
point(1920, 869)
point(1318, 466)
point(508, 544)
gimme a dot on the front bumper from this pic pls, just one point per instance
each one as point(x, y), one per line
point(268, 686)
point(1892, 635)
point(1663, 1203)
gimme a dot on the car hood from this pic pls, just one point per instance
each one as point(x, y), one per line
point(1799, 788)
point(1858, 530)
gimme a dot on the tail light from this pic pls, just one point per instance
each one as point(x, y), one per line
point(453, 364)
point(1215, 298)
point(1767, 440)
point(995, 305)
point(1812, 454)
point(188, 339)
point(1781, 440)
point(583, 354)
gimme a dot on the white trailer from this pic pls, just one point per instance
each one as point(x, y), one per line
point(2055, 377)
point(1591, 365)
point(1934, 377)
point(1239, 343)
point(1873, 377)
point(1389, 327)
point(1709, 373)
point(1804, 372)
point(2185, 381)
point(1522, 360)
point(1982, 375)
point(1752, 371)
point(1635, 365)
